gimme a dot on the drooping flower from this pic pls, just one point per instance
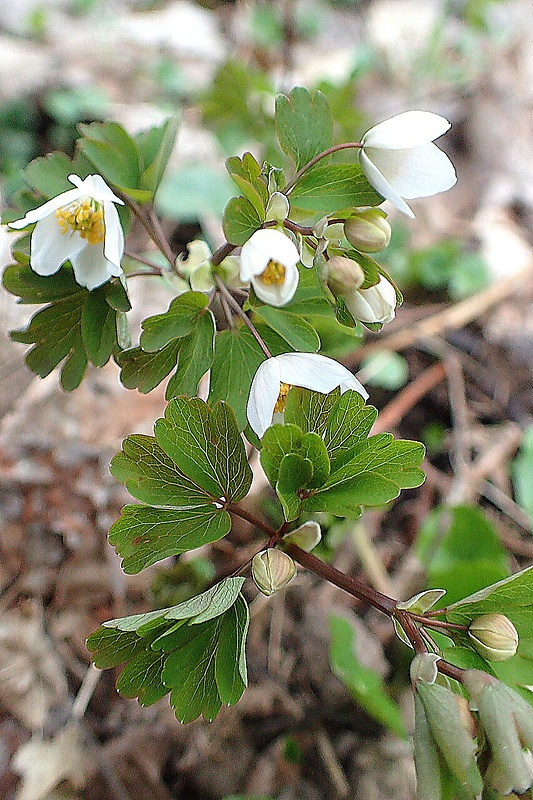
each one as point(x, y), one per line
point(275, 377)
point(81, 225)
point(268, 261)
point(374, 305)
point(400, 160)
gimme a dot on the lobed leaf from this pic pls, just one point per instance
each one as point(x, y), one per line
point(304, 124)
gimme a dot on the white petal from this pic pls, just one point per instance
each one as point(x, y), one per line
point(263, 246)
point(381, 185)
point(114, 236)
point(264, 393)
point(415, 172)
point(278, 294)
point(50, 248)
point(410, 129)
point(47, 208)
point(316, 372)
point(92, 268)
point(95, 186)
point(376, 304)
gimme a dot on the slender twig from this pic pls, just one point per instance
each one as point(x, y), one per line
point(143, 260)
point(291, 184)
point(253, 520)
point(223, 251)
point(224, 291)
point(354, 587)
point(305, 230)
point(161, 240)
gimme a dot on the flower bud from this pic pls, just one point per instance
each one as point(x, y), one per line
point(277, 208)
point(507, 719)
point(374, 305)
point(369, 231)
point(344, 275)
point(493, 636)
point(307, 536)
point(272, 570)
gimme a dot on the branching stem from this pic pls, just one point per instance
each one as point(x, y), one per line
point(225, 292)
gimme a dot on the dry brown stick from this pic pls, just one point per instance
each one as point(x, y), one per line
point(454, 317)
point(395, 411)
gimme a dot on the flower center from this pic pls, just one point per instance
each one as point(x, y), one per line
point(85, 216)
point(273, 274)
point(284, 390)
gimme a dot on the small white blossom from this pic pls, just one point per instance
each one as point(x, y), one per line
point(400, 160)
point(275, 376)
point(81, 225)
point(376, 304)
point(199, 271)
point(268, 261)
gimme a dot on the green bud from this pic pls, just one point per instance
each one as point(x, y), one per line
point(507, 720)
point(344, 275)
point(277, 208)
point(450, 731)
point(307, 536)
point(493, 636)
point(369, 231)
point(272, 570)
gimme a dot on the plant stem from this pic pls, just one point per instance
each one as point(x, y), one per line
point(224, 291)
point(156, 270)
point(305, 230)
point(354, 587)
point(243, 514)
point(292, 183)
point(219, 255)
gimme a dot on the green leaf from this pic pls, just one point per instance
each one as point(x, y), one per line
point(236, 359)
point(246, 173)
point(513, 597)
point(240, 220)
point(144, 535)
point(206, 446)
point(48, 175)
point(176, 322)
point(145, 371)
point(309, 410)
point(364, 684)
point(195, 650)
point(277, 442)
point(461, 550)
point(304, 124)
point(195, 357)
point(373, 477)
point(154, 148)
point(113, 153)
point(298, 333)
point(152, 477)
point(325, 190)
point(294, 473)
point(98, 327)
point(312, 447)
point(350, 422)
point(23, 282)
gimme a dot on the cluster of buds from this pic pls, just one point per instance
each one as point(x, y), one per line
point(477, 743)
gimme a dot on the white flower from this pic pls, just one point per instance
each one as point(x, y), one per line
point(200, 272)
point(400, 160)
point(81, 225)
point(268, 261)
point(376, 304)
point(275, 376)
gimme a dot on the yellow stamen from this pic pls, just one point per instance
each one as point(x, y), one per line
point(85, 216)
point(274, 273)
point(284, 390)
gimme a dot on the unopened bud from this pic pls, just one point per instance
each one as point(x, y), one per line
point(307, 536)
point(369, 231)
point(374, 305)
point(493, 636)
point(344, 275)
point(272, 570)
point(424, 668)
point(277, 208)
